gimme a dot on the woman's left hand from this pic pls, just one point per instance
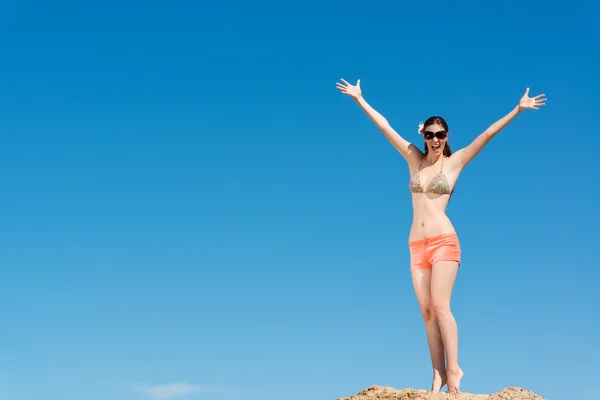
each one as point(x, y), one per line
point(533, 103)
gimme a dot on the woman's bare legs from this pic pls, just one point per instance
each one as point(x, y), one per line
point(422, 284)
point(443, 277)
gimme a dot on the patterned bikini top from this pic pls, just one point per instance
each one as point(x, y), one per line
point(438, 184)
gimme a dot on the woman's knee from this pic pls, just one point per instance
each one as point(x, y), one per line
point(440, 308)
point(427, 312)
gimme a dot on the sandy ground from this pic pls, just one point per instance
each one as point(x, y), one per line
point(389, 393)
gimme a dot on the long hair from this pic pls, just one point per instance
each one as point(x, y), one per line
point(440, 121)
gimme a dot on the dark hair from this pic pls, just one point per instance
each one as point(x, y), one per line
point(440, 121)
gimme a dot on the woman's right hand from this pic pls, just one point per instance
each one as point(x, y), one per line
point(351, 90)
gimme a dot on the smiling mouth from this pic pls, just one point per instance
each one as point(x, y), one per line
point(435, 147)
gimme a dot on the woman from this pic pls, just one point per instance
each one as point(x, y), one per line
point(433, 243)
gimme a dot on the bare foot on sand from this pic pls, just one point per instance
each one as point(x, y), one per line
point(454, 381)
point(439, 380)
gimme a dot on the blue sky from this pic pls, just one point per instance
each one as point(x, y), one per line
point(190, 209)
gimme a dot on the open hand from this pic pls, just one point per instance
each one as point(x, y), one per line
point(531, 102)
point(350, 90)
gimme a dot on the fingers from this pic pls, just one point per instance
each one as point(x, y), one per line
point(539, 100)
point(341, 88)
point(347, 84)
point(344, 87)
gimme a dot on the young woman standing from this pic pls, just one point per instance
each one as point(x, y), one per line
point(433, 243)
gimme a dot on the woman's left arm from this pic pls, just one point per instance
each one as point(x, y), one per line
point(464, 156)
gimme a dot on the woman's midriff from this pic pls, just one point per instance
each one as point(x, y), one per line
point(429, 217)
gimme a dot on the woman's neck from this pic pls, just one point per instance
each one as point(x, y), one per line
point(431, 159)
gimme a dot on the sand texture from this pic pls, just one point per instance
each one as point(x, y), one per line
point(389, 393)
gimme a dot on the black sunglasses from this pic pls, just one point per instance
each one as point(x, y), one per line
point(439, 134)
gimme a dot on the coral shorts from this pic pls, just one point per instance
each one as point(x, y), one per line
point(424, 252)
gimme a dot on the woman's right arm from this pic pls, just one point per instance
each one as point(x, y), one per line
point(409, 151)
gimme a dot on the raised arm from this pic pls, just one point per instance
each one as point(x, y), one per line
point(410, 152)
point(464, 156)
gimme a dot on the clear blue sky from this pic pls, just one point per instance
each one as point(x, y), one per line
point(187, 199)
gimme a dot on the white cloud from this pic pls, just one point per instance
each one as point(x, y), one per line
point(170, 391)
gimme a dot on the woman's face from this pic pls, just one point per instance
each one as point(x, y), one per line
point(435, 137)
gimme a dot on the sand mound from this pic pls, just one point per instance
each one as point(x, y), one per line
point(388, 393)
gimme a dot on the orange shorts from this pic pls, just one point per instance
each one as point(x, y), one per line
point(424, 252)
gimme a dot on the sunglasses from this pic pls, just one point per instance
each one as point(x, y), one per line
point(439, 134)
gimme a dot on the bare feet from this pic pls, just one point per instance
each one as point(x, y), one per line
point(454, 381)
point(439, 380)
